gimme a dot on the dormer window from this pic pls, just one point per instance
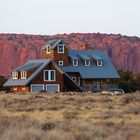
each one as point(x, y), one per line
point(99, 63)
point(15, 75)
point(48, 49)
point(23, 75)
point(60, 48)
point(75, 62)
point(87, 63)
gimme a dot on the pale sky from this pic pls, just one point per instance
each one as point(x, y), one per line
point(66, 16)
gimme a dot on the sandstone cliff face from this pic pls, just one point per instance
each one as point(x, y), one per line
point(16, 49)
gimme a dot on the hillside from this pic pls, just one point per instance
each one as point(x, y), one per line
point(69, 117)
point(16, 49)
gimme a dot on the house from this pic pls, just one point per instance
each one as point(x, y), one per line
point(63, 69)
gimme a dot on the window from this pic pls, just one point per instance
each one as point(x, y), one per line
point(23, 88)
point(15, 88)
point(60, 48)
point(74, 79)
point(23, 75)
point(87, 62)
point(99, 63)
point(61, 63)
point(75, 62)
point(15, 75)
point(49, 75)
point(48, 49)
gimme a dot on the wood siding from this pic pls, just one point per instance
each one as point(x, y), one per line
point(77, 75)
point(39, 79)
point(54, 55)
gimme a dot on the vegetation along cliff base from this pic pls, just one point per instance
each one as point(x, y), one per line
point(65, 116)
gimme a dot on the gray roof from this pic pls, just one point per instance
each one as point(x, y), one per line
point(105, 71)
point(53, 43)
point(31, 64)
point(20, 82)
point(96, 57)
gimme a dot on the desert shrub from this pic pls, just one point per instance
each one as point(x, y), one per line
point(70, 114)
point(48, 126)
point(2, 81)
point(130, 98)
point(104, 99)
point(59, 135)
point(129, 82)
point(111, 114)
point(135, 111)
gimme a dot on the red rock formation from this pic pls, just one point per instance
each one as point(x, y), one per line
point(16, 49)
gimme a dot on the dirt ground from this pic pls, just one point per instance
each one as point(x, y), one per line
point(69, 116)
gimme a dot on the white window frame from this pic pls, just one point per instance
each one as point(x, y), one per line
point(49, 75)
point(14, 75)
point(48, 49)
point(74, 79)
point(23, 88)
point(87, 65)
point(75, 62)
point(58, 49)
point(15, 88)
point(23, 75)
point(99, 65)
point(61, 63)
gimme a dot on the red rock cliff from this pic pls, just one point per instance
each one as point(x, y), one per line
point(16, 49)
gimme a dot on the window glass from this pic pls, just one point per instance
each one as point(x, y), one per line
point(75, 62)
point(60, 48)
point(61, 63)
point(23, 75)
point(74, 79)
point(99, 63)
point(48, 49)
point(52, 76)
point(47, 75)
point(87, 62)
point(15, 75)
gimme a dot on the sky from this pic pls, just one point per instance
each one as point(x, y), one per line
point(48, 17)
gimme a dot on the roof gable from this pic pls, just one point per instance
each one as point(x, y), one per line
point(25, 82)
point(53, 44)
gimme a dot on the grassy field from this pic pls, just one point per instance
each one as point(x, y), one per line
point(69, 117)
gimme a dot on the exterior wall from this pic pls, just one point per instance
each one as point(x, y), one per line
point(20, 89)
point(57, 56)
point(77, 75)
point(30, 72)
point(59, 78)
point(49, 55)
point(92, 81)
point(61, 56)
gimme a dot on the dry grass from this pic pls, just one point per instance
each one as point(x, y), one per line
point(69, 117)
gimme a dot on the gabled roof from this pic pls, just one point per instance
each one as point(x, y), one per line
point(105, 71)
point(53, 43)
point(29, 65)
point(21, 82)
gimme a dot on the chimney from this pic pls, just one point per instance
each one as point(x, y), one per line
point(86, 46)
